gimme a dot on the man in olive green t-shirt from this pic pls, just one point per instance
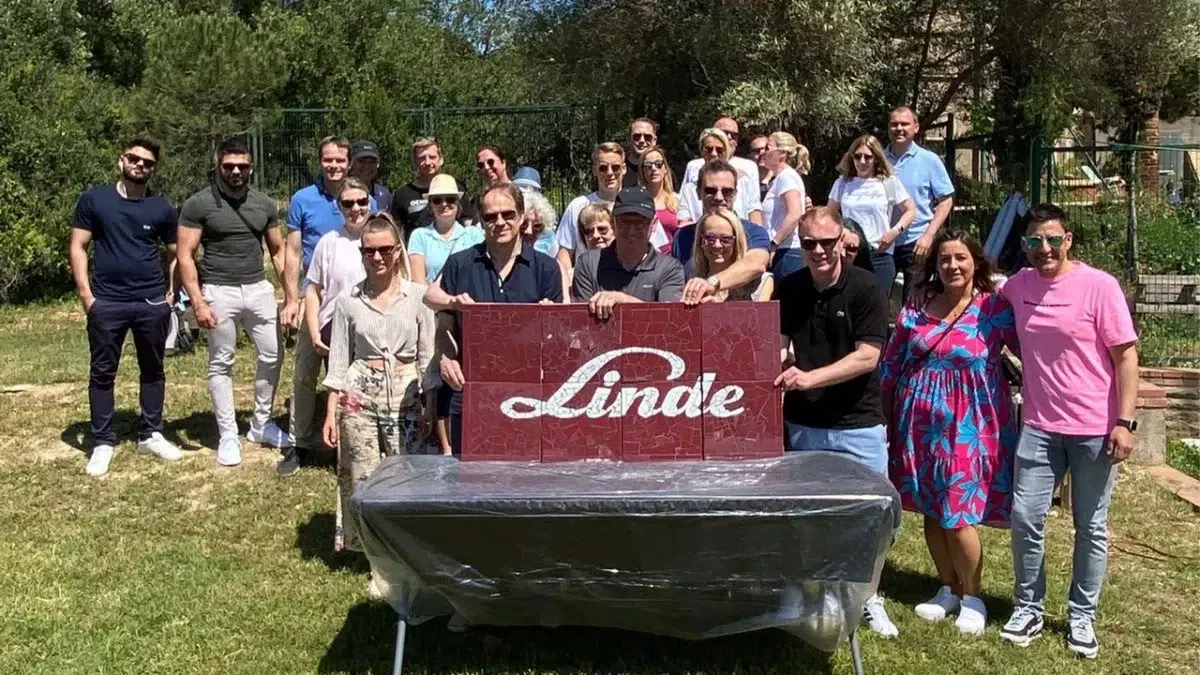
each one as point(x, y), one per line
point(230, 220)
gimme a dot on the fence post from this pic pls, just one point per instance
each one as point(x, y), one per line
point(1131, 227)
point(1035, 170)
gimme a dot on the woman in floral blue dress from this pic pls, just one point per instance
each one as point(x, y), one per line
point(951, 428)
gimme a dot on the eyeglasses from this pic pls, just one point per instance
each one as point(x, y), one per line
point(385, 251)
point(1035, 241)
point(727, 193)
point(826, 244)
point(655, 164)
point(496, 216)
point(144, 161)
point(608, 168)
point(489, 163)
point(863, 157)
point(715, 239)
point(642, 137)
point(231, 167)
point(439, 201)
point(351, 203)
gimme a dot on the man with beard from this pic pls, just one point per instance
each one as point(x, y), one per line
point(125, 292)
point(230, 220)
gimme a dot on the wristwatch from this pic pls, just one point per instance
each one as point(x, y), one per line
point(715, 282)
point(1131, 425)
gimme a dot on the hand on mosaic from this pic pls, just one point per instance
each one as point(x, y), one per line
point(1120, 444)
point(462, 299)
point(696, 290)
point(452, 373)
point(602, 303)
point(206, 317)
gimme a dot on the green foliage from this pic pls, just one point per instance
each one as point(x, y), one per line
point(1184, 458)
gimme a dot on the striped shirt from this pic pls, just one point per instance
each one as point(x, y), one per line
point(402, 332)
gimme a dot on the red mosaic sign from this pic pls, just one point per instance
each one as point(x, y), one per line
point(654, 382)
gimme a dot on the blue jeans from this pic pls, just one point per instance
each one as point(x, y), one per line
point(867, 445)
point(885, 270)
point(905, 257)
point(785, 262)
point(1042, 460)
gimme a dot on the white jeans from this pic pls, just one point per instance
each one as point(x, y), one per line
point(253, 307)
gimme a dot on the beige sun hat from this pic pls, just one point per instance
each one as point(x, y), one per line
point(443, 184)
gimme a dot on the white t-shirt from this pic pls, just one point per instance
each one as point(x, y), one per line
point(775, 209)
point(866, 202)
point(747, 185)
point(567, 233)
point(337, 266)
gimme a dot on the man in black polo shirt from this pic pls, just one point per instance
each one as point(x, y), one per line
point(835, 319)
point(498, 270)
point(409, 204)
point(125, 292)
point(631, 270)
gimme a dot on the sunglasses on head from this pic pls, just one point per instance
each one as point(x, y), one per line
point(809, 244)
point(489, 163)
point(496, 216)
point(439, 201)
point(642, 137)
point(715, 239)
point(1035, 241)
point(351, 203)
point(231, 167)
point(608, 168)
point(654, 164)
point(385, 251)
point(144, 161)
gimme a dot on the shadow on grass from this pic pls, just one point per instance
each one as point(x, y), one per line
point(366, 642)
point(314, 540)
point(194, 432)
point(911, 588)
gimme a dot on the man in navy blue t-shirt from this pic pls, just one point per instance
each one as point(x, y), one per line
point(126, 291)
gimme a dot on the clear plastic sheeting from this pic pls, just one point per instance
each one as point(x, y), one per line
point(686, 549)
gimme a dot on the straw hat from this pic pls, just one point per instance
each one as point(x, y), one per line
point(443, 185)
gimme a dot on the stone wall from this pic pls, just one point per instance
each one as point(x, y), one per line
point(1182, 388)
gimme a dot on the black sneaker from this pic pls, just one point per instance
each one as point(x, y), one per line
point(1023, 627)
point(289, 464)
point(1081, 638)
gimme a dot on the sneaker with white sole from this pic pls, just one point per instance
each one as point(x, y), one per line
point(972, 616)
point(1081, 638)
point(98, 463)
point(939, 606)
point(160, 447)
point(269, 435)
point(877, 618)
point(1023, 627)
point(229, 452)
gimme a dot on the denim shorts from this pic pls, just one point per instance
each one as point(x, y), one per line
point(867, 445)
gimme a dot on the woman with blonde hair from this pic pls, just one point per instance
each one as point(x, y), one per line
point(715, 144)
point(784, 203)
point(869, 192)
point(380, 350)
point(655, 176)
point(720, 242)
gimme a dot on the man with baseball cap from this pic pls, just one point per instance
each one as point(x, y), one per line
point(631, 270)
point(364, 165)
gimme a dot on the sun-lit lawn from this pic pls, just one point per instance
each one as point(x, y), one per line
point(192, 568)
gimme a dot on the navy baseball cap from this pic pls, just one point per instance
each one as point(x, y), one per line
point(359, 149)
point(634, 200)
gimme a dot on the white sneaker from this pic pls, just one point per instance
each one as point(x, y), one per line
point(229, 452)
point(877, 618)
point(160, 447)
point(972, 616)
point(98, 463)
point(1081, 638)
point(270, 435)
point(938, 607)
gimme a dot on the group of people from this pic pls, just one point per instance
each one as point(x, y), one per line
point(375, 282)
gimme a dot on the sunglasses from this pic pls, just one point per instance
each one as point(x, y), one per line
point(727, 193)
point(654, 164)
point(231, 167)
point(589, 232)
point(144, 161)
point(608, 168)
point(385, 251)
point(713, 149)
point(850, 248)
point(715, 239)
point(826, 244)
point(439, 201)
point(1035, 241)
point(496, 216)
point(489, 163)
point(351, 203)
point(642, 137)
point(866, 157)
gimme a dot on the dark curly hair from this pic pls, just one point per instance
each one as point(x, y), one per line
point(930, 282)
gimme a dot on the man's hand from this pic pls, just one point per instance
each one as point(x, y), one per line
point(290, 314)
point(602, 303)
point(1120, 444)
point(319, 345)
point(887, 239)
point(206, 317)
point(794, 379)
point(923, 245)
point(87, 301)
point(696, 290)
point(452, 373)
point(461, 299)
point(329, 432)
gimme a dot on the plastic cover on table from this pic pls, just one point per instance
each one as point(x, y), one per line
point(685, 549)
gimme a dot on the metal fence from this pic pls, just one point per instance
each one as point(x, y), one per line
point(556, 140)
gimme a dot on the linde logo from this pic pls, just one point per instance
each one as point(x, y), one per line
point(688, 401)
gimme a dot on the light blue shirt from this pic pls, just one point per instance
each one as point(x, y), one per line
point(927, 182)
point(427, 242)
point(313, 212)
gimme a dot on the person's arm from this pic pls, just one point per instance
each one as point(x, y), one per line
point(892, 361)
point(426, 330)
point(747, 269)
point(565, 257)
point(277, 248)
point(764, 292)
point(291, 279)
point(335, 373)
point(312, 316)
point(942, 190)
point(417, 261)
point(80, 239)
point(187, 240)
point(1125, 367)
point(794, 203)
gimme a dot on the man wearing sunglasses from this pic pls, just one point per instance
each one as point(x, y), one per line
point(834, 318)
point(749, 203)
point(126, 291)
point(1079, 351)
point(643, 135)
point(501, 269)
point(230, 220)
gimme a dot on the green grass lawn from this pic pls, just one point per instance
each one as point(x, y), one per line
point(192, 568)
point(1184, 458)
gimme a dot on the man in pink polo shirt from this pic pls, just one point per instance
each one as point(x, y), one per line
point(1079, 351)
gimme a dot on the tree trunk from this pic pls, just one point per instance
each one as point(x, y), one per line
point(1148, 160)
